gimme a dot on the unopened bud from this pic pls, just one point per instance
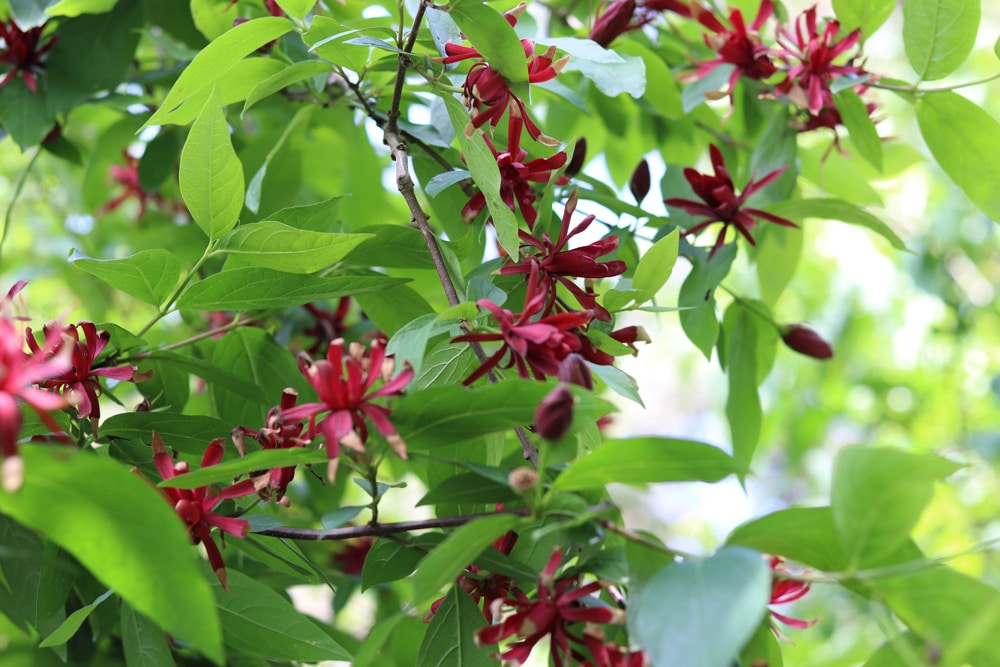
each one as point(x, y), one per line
point(522, 479)
point(554, 414)
point(574, 370)
point(579, 155)
point(805, 341)
point(612, 22)
point(639, 184)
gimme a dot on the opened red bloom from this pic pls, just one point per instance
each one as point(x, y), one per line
point(784, 591)
point(345, 385)
point(275, 434)
point(194, 506)
point(720, 203)
point(24, 51)
point(127, 176)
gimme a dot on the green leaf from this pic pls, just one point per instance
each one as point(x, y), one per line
point(467, 488)
point(213, 374)
point(450, 639)
point(319, 217)
point(257, 288)
point(664, 96)
point(743, 409)
point(143, 552)
point(297, 8)
point(493, 37)
point(457, 551)
point(72, 624)
point(387, 561)
point(655, 267)
point(776, 260)
point(275, 245)
point(286, 77)
point(835, 209)
point(647, 461)
point(144, 644)
point(878, 495)
point(211, 177)
point(253, 192)
point(700, 613)
point(807, 535)
point(226, 471)
point(613, 73)
point(869, 15)
point(446, 364)
point(763, 648)
point(939, 35)
point(185, 433)
point(859, 124)
point(257, 620)
point(30, 13)
point(903, 650)
point(700, 323)
point(77, 7)
point(24, 114)
point(965, 141)
point(213, 63)
point(392, 246)
point(159, 160)
point(393, 309)
point(36, 575)
point(325, 39)
point(148, 275)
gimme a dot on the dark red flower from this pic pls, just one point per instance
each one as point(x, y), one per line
point(275, 434)
point(683, 8)
point(345, 384)
point(482, 586)
point(784, 591)
point(79, 384)
point(810, 55)
point(627, 336)
point(194, 506)
point(516, 177)
point(351, 559)
point(24, 51)
point(613, 21)
point(720, 203)
point(554, 609)
point(535, 347)
point(574, 370)
point(327, 325)
point(127, 176)
point(554, 415)
point(554, 264)
point(607, 654)
point(805, 341)
point(738, 46)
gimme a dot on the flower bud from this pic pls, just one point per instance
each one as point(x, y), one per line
point(612, 22)
point(574, 370)
point(522, 479)
point(805, 341)
point(639, 184)
point(579, 155)
point(555, 413)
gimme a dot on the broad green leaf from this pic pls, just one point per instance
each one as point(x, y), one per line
point(72, 624)
point(39, 576)
point(159, 159)
point(700, 613)
point(275, 245)
point(485, 172)
point(213, 63)
point(467, 488)
point(93, 54)
point(286, 77)
point(392, 246)
point(618, 381)
point(253, 192)
point(647, 461)
point(776, 260)
point(743, 409)
point(939, 35)
point(77, 7)
point(211, 177)
point(859, 124)
point(409, 343)
point(144, 552)
point(835, 209)
point(869, 15)
point(148, 275)
point(878, 495)
point(262, 460)
point(327, 38)
point(660, 85)
point(446, 364)
point(144, 644)
point(623, 74)
point(24, 114)
point(320, 217)
point(388, 561)
point(450, 638)
point(393, 309)
point(213, 374)
point(185, 433)
point(297, 8)
point(965, 141)
point(30, 13)
point(457, 551)
point(904, 650)
point(807, 535)
point(763, 648)
point(655, 267)
point(254, 289)
point(696, 93)
point(700, 323)
point(257, 620)
point(493, 37)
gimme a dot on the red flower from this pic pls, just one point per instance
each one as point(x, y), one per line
point(628, 336)
point(720, 203)
point(737, 46)
point(606, 654)
point(351, 559)
point(784, 591)
point(554, 415)
point(677, 6)
point(274, 435)
point(556, 607)
point(24, 51)
point(127, 176)
point(516, 177)
point(344, 385)
point(327, 325)
point(194, 506)
point(805, 341)
point(555, 264)
point(491, 589)
point(615, 20)
point(813, 53)
point(535, 347)
point(79, 383)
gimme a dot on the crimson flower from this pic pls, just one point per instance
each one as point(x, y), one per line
point(784, 591)
point(492, 589)
point(351, 559)
point(327, 325)
point(738, 46)
point(127, 176)
point(614, 20)
point(627, 336)
point(608, 654)
point(516, 177)
point(554, 415)
point(275, 434)
point(345, 388)
point(681, 7)
point(810, 55)
point(536, 347)
point(194, 506)
point(24, 51)
point(556, 606)
point(554, 264)
point(79, 383)
point(720, 203)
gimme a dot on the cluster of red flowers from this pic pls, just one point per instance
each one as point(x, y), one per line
point(24, 51)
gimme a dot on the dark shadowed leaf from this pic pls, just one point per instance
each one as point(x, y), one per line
point(450, 638)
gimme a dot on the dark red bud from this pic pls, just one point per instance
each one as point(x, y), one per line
point(805, 341)
point(639, 185)
point(554, 414)
point(579, 155)
point(574, 370)
point(612, 22)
